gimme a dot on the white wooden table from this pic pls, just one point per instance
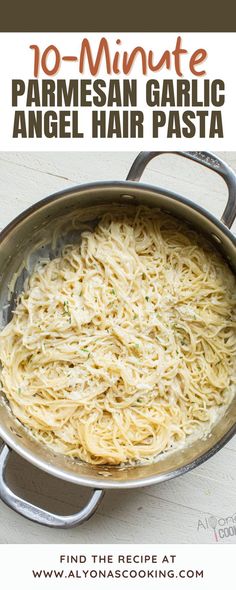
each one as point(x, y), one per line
point(168, 512)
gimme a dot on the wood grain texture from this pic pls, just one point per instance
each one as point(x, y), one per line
point(170, 512)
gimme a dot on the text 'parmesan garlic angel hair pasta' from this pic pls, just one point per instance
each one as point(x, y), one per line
point(125, 345)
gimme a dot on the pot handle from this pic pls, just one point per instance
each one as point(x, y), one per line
point(37, 514)
point(206, 159)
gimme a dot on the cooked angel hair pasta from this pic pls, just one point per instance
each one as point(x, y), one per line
point(125, 345)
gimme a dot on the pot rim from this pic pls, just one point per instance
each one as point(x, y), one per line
point(140, 186)
point(103, 483)
point(70, 476)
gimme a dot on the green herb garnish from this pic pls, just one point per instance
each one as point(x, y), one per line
point(66, 310)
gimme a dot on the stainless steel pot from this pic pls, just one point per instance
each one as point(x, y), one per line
point(16, 243)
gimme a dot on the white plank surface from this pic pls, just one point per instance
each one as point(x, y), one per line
point(168, 512)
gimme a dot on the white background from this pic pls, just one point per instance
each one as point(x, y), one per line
point(17, 63)
point(17, 563)
point(170, 511)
